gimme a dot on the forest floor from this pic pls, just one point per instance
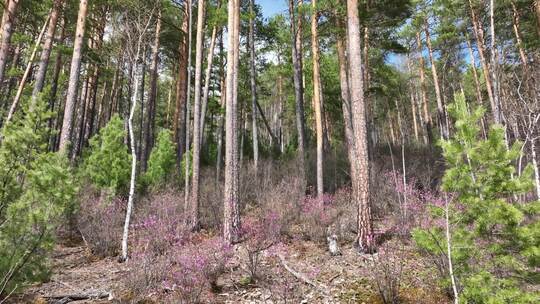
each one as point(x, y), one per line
point(313, 276)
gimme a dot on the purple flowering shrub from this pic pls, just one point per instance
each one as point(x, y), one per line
point(100, 221)
point(195, 268)
point(316, 216)
point(167, 259)
point(413, 204)
point(159, 224)
point(185, 272)
point(259, 233)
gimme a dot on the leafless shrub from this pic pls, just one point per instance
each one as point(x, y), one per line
point(387, 271)
point(100, 222)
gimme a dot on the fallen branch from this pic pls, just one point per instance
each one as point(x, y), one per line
point(320, 287)
point(333, 278)
point(63, 299)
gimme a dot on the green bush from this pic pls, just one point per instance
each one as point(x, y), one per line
point(161, 163)
point(108, 162)
point(37, 188)
point(495, 238)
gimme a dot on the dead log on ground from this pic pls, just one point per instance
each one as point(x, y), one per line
point(63, 299)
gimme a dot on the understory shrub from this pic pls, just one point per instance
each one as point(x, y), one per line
point(167, 258)
point(108, 163)
point(386, 269)
point(259, 233)
point(316, 217)
point(211, 201)
point(159, 223)
point(196, 267)
point(100, 221)
point(494, 238)
point(36, 191)
point(285, 288)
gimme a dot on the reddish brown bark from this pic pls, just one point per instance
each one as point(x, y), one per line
point(73, 78)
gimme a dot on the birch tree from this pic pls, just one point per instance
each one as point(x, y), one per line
point(136, 34)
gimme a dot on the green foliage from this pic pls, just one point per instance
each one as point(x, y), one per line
point(37, 190)
point(162, 160)
point(495, 238)
point(108, 163)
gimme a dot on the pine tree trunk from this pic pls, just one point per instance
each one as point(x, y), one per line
point(253, 86)
point(298, 79)
point(12, 81)
point(519, 42)
point(317, 103)
point(140, 141)
point(193, 212)
point(441, 114)
point(221, 123)
point(413, 102)
point(114, 90)
point(81, 114)
point(207, 75)
point(475, 72)
point(346, 101)
point(89, 124)
point(54, 122)
point(479, 34)
point(423, 89)
point(8, 21)
point(46, 51)
point(360, 185)
point(150, 117)
point(187, 166)
point(231, 221)
point(101, 109)
point(179, 118)
point(25, 76)
point(73, 78)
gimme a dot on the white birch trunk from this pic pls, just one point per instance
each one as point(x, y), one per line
point(536, 169)
point(131, 197)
